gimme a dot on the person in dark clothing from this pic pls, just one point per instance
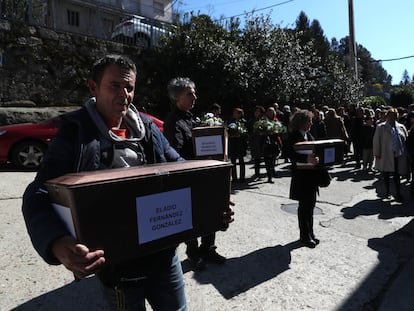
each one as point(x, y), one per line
point(367, 133)
point(271, 145)
point(178, 130)
point(237, 130)
point(410, 149)
point(107, 119)
point(318, 128)
point(304, 186)
point(256, 140)
point(356, 127)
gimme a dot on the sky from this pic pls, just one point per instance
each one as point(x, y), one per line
point(383, 27)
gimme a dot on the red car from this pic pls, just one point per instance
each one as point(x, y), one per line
point(24, 145)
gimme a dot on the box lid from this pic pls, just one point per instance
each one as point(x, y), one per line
point(112, 175)
point(310, 144)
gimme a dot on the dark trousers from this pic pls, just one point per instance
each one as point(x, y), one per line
point(270, 165)
point(242, 166)
point(257, 161)
point(397, 179)
point(305, 217)
point(358, 152)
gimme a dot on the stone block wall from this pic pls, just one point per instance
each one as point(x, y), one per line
point(48, 68)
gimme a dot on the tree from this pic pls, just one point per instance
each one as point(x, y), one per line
point(402, 96)
point(373, 102)
point(203, 50)
point(245, 65)
point(24, 10)
point(405, 78)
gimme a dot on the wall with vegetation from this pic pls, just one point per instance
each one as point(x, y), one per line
point(46, 68)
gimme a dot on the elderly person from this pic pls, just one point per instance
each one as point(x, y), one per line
point(304, 184)
point(390, 151)
point(178, 130)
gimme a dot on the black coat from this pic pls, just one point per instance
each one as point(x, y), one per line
point(178, 130)
point(303, 184)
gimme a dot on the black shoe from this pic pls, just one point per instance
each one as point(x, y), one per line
point(212, 256)
point(193, 255)
point(308, 243)
point(399, 198)
point(316, 241)
point(270, 181)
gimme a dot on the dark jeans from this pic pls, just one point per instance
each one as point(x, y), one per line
point(163, 287)
point(397, 179)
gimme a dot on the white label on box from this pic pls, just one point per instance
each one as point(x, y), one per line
point(163, 214)
point(208, 145)
point(329, 155)
point(66, 216)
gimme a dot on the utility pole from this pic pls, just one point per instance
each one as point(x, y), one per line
point(352, 44)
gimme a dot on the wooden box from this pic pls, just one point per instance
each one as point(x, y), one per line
point(210, 142)
point(329, 151)
point(133, 212)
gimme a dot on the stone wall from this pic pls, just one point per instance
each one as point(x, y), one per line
point(44, 68)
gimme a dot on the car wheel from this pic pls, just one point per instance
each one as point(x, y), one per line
point(28, 154)
point(141, 40)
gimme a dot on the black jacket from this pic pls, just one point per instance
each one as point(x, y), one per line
point(303, 183)
point(77, 147)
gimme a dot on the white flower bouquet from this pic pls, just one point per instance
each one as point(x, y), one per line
point(236, 128)
point(267, 127)
point(210, 120)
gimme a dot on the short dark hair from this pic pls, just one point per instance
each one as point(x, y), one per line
point(101, 64)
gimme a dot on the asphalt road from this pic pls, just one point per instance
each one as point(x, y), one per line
point(365, 251)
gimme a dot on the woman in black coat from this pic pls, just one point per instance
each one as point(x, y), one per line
point(304, 186)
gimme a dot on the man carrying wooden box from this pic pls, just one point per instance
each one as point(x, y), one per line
point(108, 132)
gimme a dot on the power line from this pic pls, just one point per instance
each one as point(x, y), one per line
point(258, 10)
point(261, 9)
point(209, 5)
point(393, 59)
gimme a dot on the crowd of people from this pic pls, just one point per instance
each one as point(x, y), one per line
point(380, 140)
point(109, 132)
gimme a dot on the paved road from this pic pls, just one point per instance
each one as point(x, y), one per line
point(364, 261)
